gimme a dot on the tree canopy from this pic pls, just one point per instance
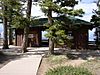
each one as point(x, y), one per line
point(64, 9)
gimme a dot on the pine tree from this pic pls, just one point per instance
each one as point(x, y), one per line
point(47, 8)
point(26, 29)
point(4, 11)
point(13, 14)
point(65, 9)
point(5, 39)
point(9, 10)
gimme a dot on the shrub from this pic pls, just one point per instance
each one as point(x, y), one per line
point(68, 70)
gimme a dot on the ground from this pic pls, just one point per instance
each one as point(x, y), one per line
point(4, 59)
point(46, 64)
point(87, 59)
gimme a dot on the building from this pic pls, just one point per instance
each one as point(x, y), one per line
point(80, 35)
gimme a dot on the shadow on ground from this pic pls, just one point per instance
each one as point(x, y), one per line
point(71, 54)
point(82, 54)
point(4, 59)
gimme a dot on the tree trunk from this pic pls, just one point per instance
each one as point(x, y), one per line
point(51, 46)
point(51, 41)
point(10, 36)
point(26, 29)
point(5, 39)
point(10, 29)
point(25, 40)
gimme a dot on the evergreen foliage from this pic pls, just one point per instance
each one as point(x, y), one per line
point(16, 10)
point(59, 28)
point(10, 9)
point(13, 8)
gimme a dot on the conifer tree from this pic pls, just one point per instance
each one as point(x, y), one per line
point(8, 11)
point(26, 29)
point(65, 9)
point(13, 7)
point(5, 39)
point(13, 14)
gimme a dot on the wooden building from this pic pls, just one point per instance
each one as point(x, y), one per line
point(80, 36)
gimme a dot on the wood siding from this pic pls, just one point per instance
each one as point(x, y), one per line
point(81, 38)
point(34, 40)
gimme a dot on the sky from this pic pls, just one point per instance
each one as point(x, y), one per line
point(86, 5)
point(1, 30)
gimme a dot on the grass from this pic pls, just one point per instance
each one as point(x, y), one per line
point(93, 65)
point(57, 59)
point(68, 70)
point(54, 61)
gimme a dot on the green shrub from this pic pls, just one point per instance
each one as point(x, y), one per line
point(68, 70)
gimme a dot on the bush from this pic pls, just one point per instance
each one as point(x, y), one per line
point(68, 70)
